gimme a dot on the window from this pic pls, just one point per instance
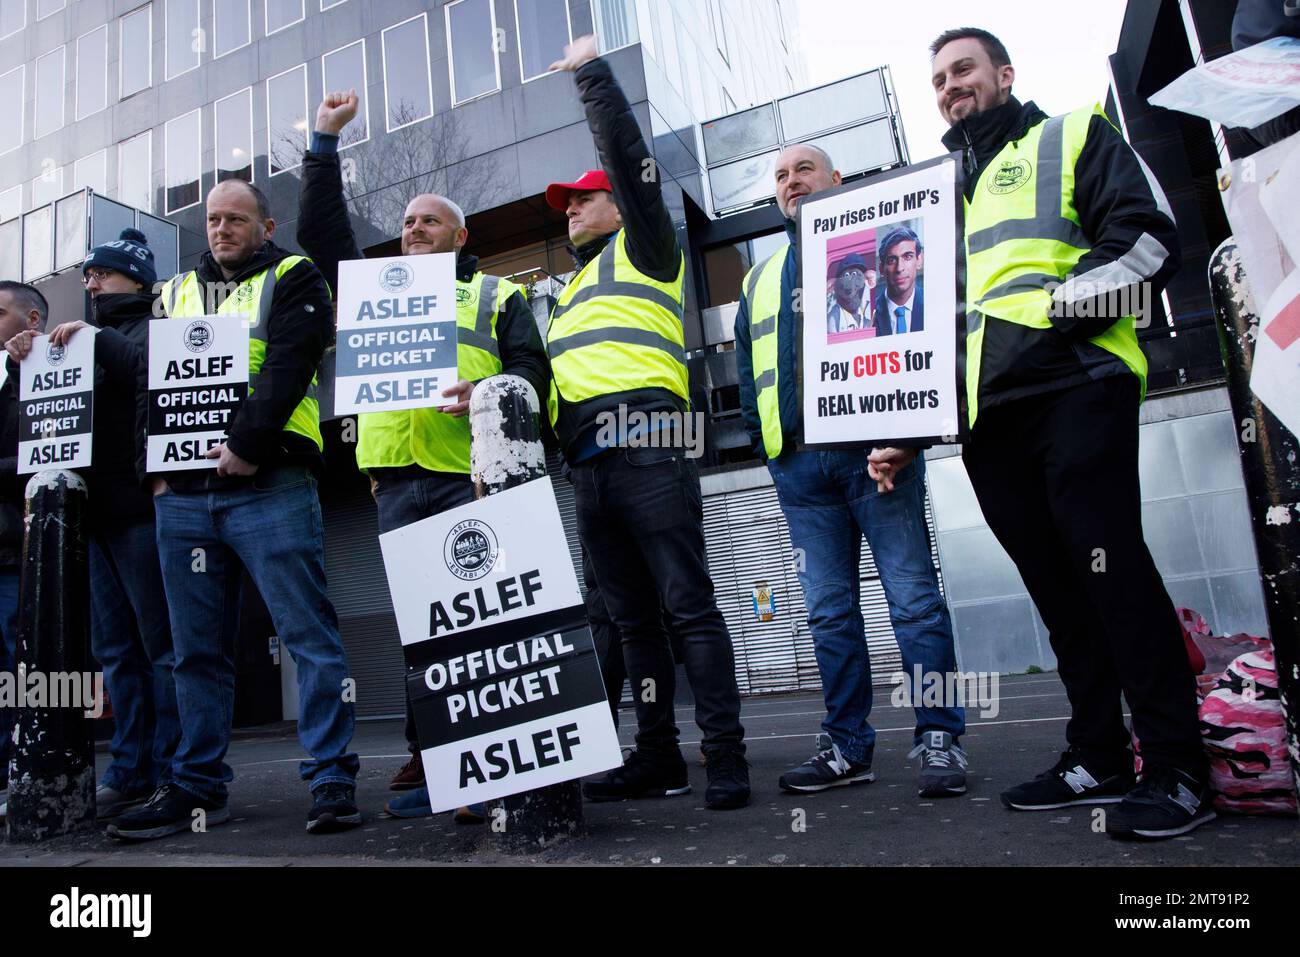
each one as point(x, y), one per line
point(13, 89)
point(91, 171)
point(47, 187)
point(135, 171)
point(282, 13)
point(329, 4)
point(408, 88)
point(615, 23)
point(471, 43)
point(183, 37)
point(92, 71)
point(345, 69)
point(11, 204)
point(183, 166)
point(286, 119)
point(543, 29)
point(232, 117)
point(135, 52)
point(719, 29)
point(13, 17)
point(232, 24)
point(45, 8)
point(49, 94)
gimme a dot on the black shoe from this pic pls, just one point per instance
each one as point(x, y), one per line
point(829, 769)
point(1167, 802)
point(171, 810)
point(1071, 781)
point(640, 776)
point(333, 808)
point(728, 779)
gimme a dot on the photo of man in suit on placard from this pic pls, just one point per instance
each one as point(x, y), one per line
point(899, 301)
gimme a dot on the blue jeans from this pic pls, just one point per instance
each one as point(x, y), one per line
point(273, 526)
point(404, 499)
point(9, 592)
point(132, 641)
point(830, 502)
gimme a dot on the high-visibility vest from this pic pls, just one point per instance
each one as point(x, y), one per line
point(1023, 232)
point(762, 291)
point(614, 329)
point(426, 437)
point(184, 297)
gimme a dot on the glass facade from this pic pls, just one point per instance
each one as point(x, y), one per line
point(408, 89)
point(135, 51)
point(49, 93)
point(232, 25)
point(184, 41)
point(472, 49)
point(345, 69)
point(92, 72)
point(233, 135)
point(286, 119)
point(184, 160)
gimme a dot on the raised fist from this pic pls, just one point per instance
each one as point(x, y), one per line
point(336, 111)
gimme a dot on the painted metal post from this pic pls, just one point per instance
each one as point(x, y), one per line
point(52, 767)
point(1270, 465)
point(505, 451)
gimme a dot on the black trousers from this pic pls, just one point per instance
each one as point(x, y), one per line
point(1057, 478)
point(641, 520)
point(606, 637)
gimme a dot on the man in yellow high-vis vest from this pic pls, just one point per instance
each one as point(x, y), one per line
point(1066, 230)
point(258, 508)
point(418, 459)
point(619, 403)
point(831, 500)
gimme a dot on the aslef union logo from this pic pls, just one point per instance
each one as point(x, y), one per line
point(198, 336)
point(1010, 176)
point(395, 277)
point(470, 549)
point(55, 355)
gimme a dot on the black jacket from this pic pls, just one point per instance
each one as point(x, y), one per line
point(325, 233)
point(651, 240)
point(299, 327)
point(12, 485)
point(121, 353)
point(1119, 205)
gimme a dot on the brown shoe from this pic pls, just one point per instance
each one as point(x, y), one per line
point(411, 775)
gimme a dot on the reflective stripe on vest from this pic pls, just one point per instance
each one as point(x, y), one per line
point(426, 437)
point(762, 290)
point(184, 297)
point(614, 329)
point(1023, 233)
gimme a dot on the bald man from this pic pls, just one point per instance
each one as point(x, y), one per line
point(418, 460)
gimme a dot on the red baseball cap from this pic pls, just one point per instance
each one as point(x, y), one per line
point(557, 194)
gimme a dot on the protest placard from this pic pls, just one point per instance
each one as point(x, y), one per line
point(882, 310)
point(56, 389)
point(198, 376)
point(396, 333)
point(502, 672)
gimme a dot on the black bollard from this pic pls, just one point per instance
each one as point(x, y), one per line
point(1270, 465)
point(52, 767)
point(506, 450)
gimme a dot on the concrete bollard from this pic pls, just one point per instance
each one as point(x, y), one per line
point(1270, 465)
point(52, 767)
point(506, 450)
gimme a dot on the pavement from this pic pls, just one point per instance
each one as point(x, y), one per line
point(884, 822)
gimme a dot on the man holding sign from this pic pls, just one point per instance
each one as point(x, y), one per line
point(1065, 228)
point(258, 507)
point(830, 500)
point(418, 458)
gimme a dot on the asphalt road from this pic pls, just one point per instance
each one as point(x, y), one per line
point(884, 822)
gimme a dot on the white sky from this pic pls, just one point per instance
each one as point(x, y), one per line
point(1058, 47)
